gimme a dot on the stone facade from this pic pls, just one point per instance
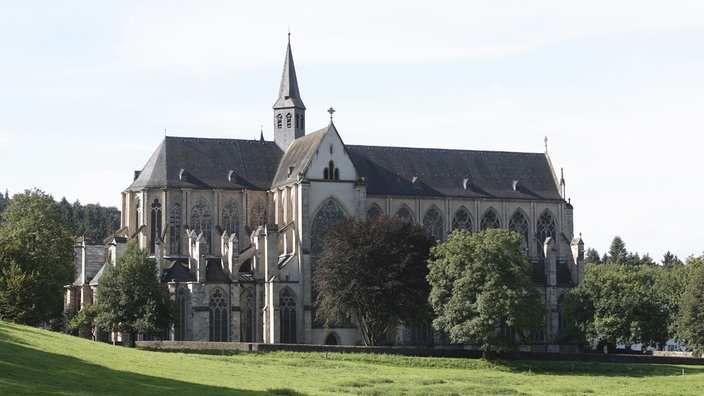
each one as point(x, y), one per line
point(236, 225)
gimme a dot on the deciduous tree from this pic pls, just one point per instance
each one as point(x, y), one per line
point(690, 323)
point(130, 298)
point(480, 283)
point(374, 273)
point(36, 258)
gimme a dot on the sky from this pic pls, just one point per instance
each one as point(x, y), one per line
point(89, 89)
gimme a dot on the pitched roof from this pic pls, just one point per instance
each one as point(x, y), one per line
point(298, 157)
point(182, 162)
point(289, 96)
point(456, 173)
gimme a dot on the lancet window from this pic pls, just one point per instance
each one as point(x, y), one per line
point(373, 211)
point(519, 224)
point(175, 228)
point(202, 220)
point(432, 222)
point(231, 218)
point(405, 213)
point(155, 225)
point(247, 322)
point(490, 220)
point(217, 309)
point(462, 220)
point(287, 309)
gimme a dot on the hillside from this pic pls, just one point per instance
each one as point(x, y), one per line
point(34, 361)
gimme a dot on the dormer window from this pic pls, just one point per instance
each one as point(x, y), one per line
point(288, 120)
point(279, 122)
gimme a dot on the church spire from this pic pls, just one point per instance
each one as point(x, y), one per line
point(289, 110)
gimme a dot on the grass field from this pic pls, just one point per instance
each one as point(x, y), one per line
point(38, 362)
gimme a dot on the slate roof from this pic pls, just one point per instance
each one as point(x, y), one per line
point(298, 156)
point(228, 164)
point(441, 172)
point(178, 272)
point(289, 95)
point(233, 164)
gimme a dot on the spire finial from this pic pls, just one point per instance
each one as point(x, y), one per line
point(546, 144)
point(289, 34)
point(331, 111)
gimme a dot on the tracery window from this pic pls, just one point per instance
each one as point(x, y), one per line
point(155, 225)
point(490, 220)
point(373, 211)
point(330, 213)
point(544, 229)
point(405, 213)
point(217, 309)
point(432, 222)
point(287, 309)
point(231, 218)
point(247, 315)
point(175, 228)
point(519, 224)
point(279, 122)
point(462, 220)
point(181, 313)
point(257, 214)
point(288, 120)
point(202, 220)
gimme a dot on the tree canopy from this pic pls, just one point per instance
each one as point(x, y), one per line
point(130, 298)
point(373, 272)
point(619, 303)
point(36, 259)
point(481, 283)
point(690, 322)
point(92, 221)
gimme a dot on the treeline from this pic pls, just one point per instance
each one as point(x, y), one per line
point(90, 221)
point(630, 299)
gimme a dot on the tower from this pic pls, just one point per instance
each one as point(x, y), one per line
point(289, 111)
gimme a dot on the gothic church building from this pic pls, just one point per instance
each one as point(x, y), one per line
point(236, 225)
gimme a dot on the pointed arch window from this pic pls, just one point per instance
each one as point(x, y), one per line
point(331, 172)
point(462, 220)
point(288, 120)
point(202, 220)
point(279, 121)
point(175, 228)
point(155, 225)
point(374, 211)
point(544, 229)
point(287, 310)
point(405, 213)
point(257, 214)
point(137, 212)
point(217, 310)
point(519, 224)
point(432, 223)
point(490, 219)
point(328, 214)
point(247, 315)
point(231, 218)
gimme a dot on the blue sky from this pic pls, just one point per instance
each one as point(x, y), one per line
point(88, 89)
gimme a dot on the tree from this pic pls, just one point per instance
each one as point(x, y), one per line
point(84, 322)
point(670, 260)
point(130, 299)
point(592, 256)
point(690, 323)
point(36, 257)
point(374, 273)
point(618, 304)
point(617, 252)
point(481, 283)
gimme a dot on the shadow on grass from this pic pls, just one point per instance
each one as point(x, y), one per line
point(25, 370)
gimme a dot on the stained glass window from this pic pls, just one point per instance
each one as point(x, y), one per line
point(519, 224)
point(462, 220)
point(181, 313)
point(175, 228)
point(330, 213)
point(247, 315)
point(231, 218)
point(217, 308)
point(490, 220)
point(405, 213)
point(373, 211)
point(287, 309)
point(202, 220)
point(257, 214)
point(432, 222)
point(544, 229)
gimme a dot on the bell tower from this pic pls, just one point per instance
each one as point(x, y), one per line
point(289, 110)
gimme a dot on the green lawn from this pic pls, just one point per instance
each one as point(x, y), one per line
point(34, 361)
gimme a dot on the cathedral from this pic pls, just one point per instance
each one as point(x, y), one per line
point(236, 226)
